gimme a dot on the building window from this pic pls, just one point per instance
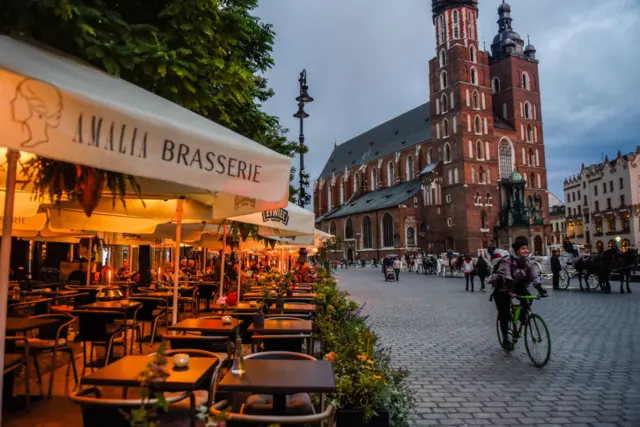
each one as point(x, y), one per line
point(456, 26)
point(474, 76)
point(488, 199)
point(374, 179)
point(387, 231)
point(626, 223)
point(481, 176)
point(529, 133)
point(391, 176)
point(622, 201)
point(443, 80)
point(532, 181)
point(411, 236)
point(443, 58)
point(443, 32)
point(597, 205)
point(595, 190)
point(480, 150)
point(366, 233)
point(477, 200)
point(449, 222)
point(478, 125)
point(604, 188)
point(473, 174)
point(621, 184)
point(611, 186)
point(445, 103)
point(483, 221)
point(495, 85)
point(525, 81)
point(611, 224)
point(472, 26)
point(447, 153)
point(505, 156)
point(527, 110)
point(445, 128)
point(472, 53)
point(332, 229)
point(348, 229)
point(410, 172)
point(608, 203)
point(429, 157)
point(476, 100)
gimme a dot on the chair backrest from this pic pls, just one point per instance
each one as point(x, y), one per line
point(101, 412)
point(207, 291)
point(83, 298)
point(276, 318)
point(149, 305)
point(198, 342)
point(279, 355)
point(95, 325)
point(59, 329)
point(190, 292)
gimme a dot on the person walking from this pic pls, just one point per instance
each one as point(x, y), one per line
point(468, 267)
point(482, 270)
point(396, 267)
point(555, 269)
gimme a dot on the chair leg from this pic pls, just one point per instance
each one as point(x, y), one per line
point(72, 362)
point(37, 368)
point(27, 392)
point(53, 373)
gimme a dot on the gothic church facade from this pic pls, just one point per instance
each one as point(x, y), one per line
point(464, 168)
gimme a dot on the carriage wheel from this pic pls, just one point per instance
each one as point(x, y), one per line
point(565, 279)
point(592, 281)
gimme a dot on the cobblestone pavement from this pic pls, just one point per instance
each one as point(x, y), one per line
point(446, 337)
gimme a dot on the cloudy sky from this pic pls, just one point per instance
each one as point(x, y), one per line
point(367, 61)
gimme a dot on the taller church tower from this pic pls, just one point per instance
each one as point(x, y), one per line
point(462, 131)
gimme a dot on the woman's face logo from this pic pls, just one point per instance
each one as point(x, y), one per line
point(37, 106)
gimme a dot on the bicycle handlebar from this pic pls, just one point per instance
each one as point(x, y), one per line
point(528, 297)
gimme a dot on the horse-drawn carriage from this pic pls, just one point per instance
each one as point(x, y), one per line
point(567, 261)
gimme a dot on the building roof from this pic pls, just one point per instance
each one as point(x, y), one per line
point(554, 200)
point(501, 123)
point(376, 200)
point(403, 131)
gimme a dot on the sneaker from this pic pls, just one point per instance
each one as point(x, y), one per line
point(507, 345)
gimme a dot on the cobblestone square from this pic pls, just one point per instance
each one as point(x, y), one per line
point(446, 337)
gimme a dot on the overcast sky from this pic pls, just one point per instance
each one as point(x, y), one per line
point(367, 61)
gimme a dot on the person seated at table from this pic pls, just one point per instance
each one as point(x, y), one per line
point(123, 272)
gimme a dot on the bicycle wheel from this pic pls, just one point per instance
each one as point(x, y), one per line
point(499, 332)
point(536, 338)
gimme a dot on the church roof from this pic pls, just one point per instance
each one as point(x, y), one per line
point(554, 200)
point(403, 131)
point(376, 200)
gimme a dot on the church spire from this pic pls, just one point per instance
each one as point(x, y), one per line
point(506, 42)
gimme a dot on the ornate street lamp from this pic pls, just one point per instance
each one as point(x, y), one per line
point(301, 114)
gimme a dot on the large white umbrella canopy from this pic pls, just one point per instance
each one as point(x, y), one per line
point(289, 221)
point(59, 108)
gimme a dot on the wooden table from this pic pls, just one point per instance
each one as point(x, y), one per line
point(24, 324)
point(295, 308)
point(124, 306)
point(206, 326)
point(274, 327)
point(241, 307)
point(124, 373)
point(281, 378)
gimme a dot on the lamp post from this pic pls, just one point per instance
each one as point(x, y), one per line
point(301, 114)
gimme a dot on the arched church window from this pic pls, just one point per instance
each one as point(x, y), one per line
point(447, 153)
point(387, 231)
point(478, 125)
point(456, 25)
point(495, 85)
point(505, 159)
point(529, 133)
point(391, 176)
point(527, 110)
point(480, 150)
point(445, 103)
point(443, 80)
point(445, 128)
point(476, 100)
point(525, 81)
point(474, 76)
point(410, 172)
point(472, 53)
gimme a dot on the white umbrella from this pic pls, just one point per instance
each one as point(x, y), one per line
point(56, 107)
point(289, 221)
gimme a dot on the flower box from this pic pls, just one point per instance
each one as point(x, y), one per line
point(355, 418)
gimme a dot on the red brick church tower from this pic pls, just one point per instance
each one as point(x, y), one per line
point(485, 124)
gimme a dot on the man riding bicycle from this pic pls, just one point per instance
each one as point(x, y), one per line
point(512, 277)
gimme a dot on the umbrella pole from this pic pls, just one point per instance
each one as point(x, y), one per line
point(88, 283)
point(239, 265)
point(176, 259)
point(5, 253)
point(224, 249)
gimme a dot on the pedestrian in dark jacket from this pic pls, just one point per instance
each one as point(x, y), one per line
point(482, 267)
point(555, 269)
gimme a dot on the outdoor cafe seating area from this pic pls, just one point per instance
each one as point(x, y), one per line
point(75, 356)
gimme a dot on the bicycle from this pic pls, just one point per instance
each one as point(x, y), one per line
point(535, 328)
